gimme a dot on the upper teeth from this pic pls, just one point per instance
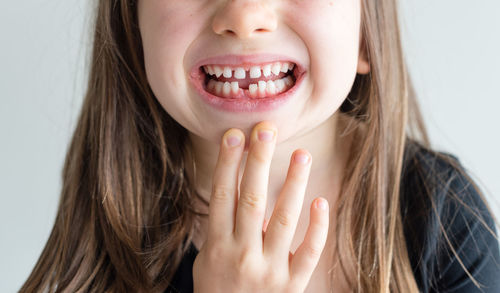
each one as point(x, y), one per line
point(254, 71)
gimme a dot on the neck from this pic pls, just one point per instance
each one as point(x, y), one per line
point(329, 153)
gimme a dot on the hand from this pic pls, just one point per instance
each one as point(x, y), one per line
point(237, 255)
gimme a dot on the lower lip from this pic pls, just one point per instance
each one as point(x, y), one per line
point(246, 104)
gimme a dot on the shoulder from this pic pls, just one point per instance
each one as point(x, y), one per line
point(450, 232)
point(436, 184)
point(439, 180)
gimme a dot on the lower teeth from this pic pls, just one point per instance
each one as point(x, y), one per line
point(262, 89)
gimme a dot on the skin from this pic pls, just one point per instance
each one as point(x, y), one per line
point(324, 36)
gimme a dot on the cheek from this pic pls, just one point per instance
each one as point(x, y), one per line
point(166, 32)
point(332, 38)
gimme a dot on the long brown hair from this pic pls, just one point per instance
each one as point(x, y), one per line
point(125, 215)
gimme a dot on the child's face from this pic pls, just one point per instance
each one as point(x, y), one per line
point(320, 37)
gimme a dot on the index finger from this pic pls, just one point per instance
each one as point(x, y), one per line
point(225, 185)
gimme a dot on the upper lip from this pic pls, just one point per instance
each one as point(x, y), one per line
point(253, 59)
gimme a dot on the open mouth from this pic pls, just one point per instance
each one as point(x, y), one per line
point(249, 81)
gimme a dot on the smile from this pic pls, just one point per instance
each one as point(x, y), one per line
point(251, 83)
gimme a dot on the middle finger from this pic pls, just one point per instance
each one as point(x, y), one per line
point(254, 184)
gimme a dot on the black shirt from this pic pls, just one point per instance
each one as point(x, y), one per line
point(435, 196)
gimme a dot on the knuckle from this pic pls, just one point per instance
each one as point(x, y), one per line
point(321, 224)
point(245, 263)
point(283, 217)
point(251, 199)
point(297, 176)
point(228, 156)
point(313, 251)
point(260, 157)
point(221, 193)
point(271, 278)
point(215, 254)
point(296, 285)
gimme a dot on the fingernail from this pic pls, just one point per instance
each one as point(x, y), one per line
point(321, 204)
point(301, 158)
point(266, 135)
point(233, 140)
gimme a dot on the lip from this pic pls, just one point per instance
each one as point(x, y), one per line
point(196, 78)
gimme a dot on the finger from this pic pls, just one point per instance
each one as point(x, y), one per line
point(254, 183)
point(307, 255)
point(264, 227)
point(225, 185)
point(286, 213)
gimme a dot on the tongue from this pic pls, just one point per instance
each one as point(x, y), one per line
point(244, 83)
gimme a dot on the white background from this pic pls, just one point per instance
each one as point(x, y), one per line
point(452, 49)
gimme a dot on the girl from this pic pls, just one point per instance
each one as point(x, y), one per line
point(169, 183)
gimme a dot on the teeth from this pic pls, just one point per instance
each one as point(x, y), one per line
point(266, 70)
point(255, 72)
point(271, 88)
point(280, 85)
point(211, 85)
point(218, 87)
point(288, 81)
point(228, 73)
point(252, 89)
point(211, 70)
point(276, 68)
point(235, 87)
point(239, 73)
point(284, 67)
point(261, 89)
point(218, 71)
point(226, 90)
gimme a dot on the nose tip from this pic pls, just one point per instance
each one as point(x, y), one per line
point(243, 19)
